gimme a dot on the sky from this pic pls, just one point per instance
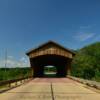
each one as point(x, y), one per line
point(25, 24)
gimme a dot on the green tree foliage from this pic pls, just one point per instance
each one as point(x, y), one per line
point(86, 63)
point(14, 73)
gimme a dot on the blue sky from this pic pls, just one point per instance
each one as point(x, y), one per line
point(25, 24)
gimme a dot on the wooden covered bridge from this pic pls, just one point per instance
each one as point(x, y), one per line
point(50, 53)
point(70, 88)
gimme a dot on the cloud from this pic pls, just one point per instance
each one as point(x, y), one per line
point(88, 26)
point(85, 27)
point(97, 38)
point(24, 61)
point(12, 63)
point(85, 33)
point(11, 57)
point(84, 36)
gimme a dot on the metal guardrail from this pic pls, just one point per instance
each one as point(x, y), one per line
point(86, 82)
point(8, 82)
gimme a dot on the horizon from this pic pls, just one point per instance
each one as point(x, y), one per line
point(26, 24)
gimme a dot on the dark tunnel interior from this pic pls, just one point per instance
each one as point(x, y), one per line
point(38, 63)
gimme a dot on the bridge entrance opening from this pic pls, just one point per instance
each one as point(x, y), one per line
point(59, 63)
point(50, 71)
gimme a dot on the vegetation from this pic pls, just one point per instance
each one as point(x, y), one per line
point(13, 73)
point(50, 69)
point(86, 63)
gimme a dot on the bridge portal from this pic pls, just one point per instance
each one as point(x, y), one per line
point(53, 54)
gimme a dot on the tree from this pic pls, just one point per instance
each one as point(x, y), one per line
point(86, 63)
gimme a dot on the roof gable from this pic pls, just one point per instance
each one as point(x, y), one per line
point(50, 44)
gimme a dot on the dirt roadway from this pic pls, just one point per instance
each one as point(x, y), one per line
point(50, 89)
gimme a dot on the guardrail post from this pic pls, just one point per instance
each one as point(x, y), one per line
point(21, 81)
point(9, 84)
point(24, 80)
point(16, 83)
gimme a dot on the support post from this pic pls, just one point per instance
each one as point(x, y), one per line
point(69, 67)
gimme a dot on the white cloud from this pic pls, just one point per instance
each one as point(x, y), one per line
point(11, 62)
point(85, 27)
point(24, 62)
point(97, 38)
point(10, 57)
point(85, 33)
point(24, 59)
point(84, 36)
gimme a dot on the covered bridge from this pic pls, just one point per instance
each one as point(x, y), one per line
point(50, 53)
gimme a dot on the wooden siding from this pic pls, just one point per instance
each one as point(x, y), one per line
point(50, 50)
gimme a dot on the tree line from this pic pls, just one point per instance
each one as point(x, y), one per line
point(86, 63)
point(14, 73)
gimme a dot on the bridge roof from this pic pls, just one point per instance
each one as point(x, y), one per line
point(49, 43)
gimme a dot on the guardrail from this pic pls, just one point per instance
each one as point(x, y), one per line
point(12, 81)
point(86, 82)
point(8, 83)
